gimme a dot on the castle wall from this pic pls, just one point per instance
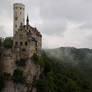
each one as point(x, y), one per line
point(38, 38)
point(27, 41)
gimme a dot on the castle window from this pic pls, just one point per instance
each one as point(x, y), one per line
point(26, 43)
point(23, 49)
point(16, 43)
point(21, 43)
point(36, 49)
point(16, 18)
point(20, 8)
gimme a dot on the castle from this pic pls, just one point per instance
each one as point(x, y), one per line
point(27, 40)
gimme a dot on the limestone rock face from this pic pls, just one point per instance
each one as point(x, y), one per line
point(31, 72)
point(7, 61)
point(10, 86)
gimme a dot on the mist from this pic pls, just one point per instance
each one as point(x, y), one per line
point(69, 55)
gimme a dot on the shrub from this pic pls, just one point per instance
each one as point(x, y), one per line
point(41, 62)
point(8, 43)
point(2, 83)
point(40, 85)
point(18, 76)
point(35, 57)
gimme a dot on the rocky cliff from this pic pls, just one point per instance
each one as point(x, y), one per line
point(22, 80)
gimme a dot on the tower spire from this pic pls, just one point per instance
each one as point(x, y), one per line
point(27, 20)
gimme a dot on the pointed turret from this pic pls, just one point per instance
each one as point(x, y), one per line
point(27, 20)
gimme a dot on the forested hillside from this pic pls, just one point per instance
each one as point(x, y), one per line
point(62, 76)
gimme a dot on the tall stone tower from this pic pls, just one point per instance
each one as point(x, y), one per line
point(19, 16)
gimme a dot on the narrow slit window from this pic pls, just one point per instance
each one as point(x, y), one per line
point(16, 43)
point(21, 43)
point(26, 43)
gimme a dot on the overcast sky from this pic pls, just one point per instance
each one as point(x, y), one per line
point(62, 22)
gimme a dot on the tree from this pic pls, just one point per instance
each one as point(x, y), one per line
point(8, 43)
point(35, 57)
point(18, 76)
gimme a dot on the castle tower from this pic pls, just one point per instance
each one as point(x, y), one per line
point(19, 16)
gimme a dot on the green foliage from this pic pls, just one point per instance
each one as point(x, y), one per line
point(18, 76)
point(40, 85)
point(2, 83)
point(8, 43)
point(71, 86)
point(41, 62)
point(35, 57)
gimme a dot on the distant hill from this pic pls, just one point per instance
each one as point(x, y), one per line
point(81, 58)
